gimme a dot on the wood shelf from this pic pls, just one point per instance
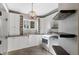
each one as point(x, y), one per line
point(64, 14)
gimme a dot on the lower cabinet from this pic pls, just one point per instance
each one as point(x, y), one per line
point(15, 43)
point(35, 40)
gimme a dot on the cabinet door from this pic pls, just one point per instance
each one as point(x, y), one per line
point(11, 23)
point(34, 40)
point(14, 25)
point(15, 43)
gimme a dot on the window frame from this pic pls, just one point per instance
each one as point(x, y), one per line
point(28, 23)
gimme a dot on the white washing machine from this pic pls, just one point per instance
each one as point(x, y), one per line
point(48, 41)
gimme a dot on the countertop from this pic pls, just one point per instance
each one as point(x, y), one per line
point(61, 34)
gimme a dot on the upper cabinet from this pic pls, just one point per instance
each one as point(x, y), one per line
point(14, 24)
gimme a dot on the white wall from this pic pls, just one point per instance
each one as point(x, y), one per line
point(15, 43)
point(69, 25)
point(45, 23)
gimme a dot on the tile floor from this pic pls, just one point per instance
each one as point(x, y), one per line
point(36, 50)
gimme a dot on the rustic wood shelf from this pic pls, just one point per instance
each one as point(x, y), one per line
point(64, 14)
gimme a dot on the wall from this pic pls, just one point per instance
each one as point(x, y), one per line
point(45, 23)
point(69, 25)
point(78, 36)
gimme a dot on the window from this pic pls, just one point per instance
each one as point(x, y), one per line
point(26, 24)
point(32, 24)
point(29, 24)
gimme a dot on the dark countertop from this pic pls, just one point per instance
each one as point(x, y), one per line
point(61, 34)
point(65, 35)
point(24, 35)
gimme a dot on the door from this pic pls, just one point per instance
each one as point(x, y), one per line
point(3, 35)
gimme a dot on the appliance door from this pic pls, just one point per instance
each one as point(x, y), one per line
point(45, 43)
point(54, 40)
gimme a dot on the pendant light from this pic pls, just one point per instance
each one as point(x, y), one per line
point(32, 14)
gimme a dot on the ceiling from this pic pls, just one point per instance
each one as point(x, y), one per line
point(39, 8)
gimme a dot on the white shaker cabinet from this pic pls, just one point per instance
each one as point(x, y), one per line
point(15, 43)
point(14, 24)
point(35, 40)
